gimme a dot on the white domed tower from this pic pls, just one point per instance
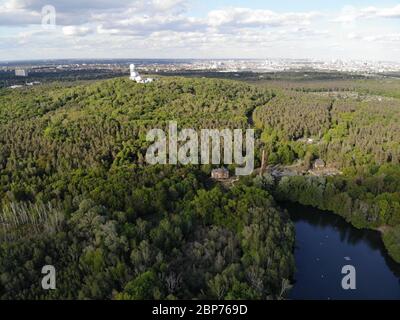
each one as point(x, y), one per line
point(134, 74)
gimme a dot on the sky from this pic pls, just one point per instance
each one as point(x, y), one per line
point(207, 29)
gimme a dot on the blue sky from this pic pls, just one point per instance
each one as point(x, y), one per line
point(341, 29)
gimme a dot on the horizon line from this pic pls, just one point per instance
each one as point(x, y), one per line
point(199, 59)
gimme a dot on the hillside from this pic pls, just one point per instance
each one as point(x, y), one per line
point(76, 193)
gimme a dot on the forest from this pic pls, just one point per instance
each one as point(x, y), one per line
point(357, 133)
point(77, 193)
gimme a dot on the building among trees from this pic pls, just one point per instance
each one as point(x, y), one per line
point(319, 164)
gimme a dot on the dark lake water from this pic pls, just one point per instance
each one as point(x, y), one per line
point(324, 244)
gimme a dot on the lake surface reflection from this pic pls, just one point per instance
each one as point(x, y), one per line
point(324, 244)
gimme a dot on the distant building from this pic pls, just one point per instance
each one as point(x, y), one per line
point(319, 164)
point(135, 76)
point(21, 72)
point(220, 174)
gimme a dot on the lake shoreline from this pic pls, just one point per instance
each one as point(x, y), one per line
point(383, 230)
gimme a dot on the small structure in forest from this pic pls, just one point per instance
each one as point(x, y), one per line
point(220, 174)
point(319, 164)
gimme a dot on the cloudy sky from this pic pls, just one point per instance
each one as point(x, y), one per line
point(346, 29)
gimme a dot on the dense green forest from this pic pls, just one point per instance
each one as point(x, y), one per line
point(77, 193)
point(153, 233)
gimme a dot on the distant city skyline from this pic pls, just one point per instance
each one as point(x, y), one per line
point(194, 29)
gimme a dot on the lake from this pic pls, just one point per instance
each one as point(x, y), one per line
point(324, 244)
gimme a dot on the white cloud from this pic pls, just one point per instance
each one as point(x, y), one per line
point(227, 21)
point(390, 37)
point(166, 5)
point(101, 30)
point(26, 12)
point(384, 12)
point(76, 31)
point(165, 27)
point(70, 5)
point(350, 13)
point(244, 17)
